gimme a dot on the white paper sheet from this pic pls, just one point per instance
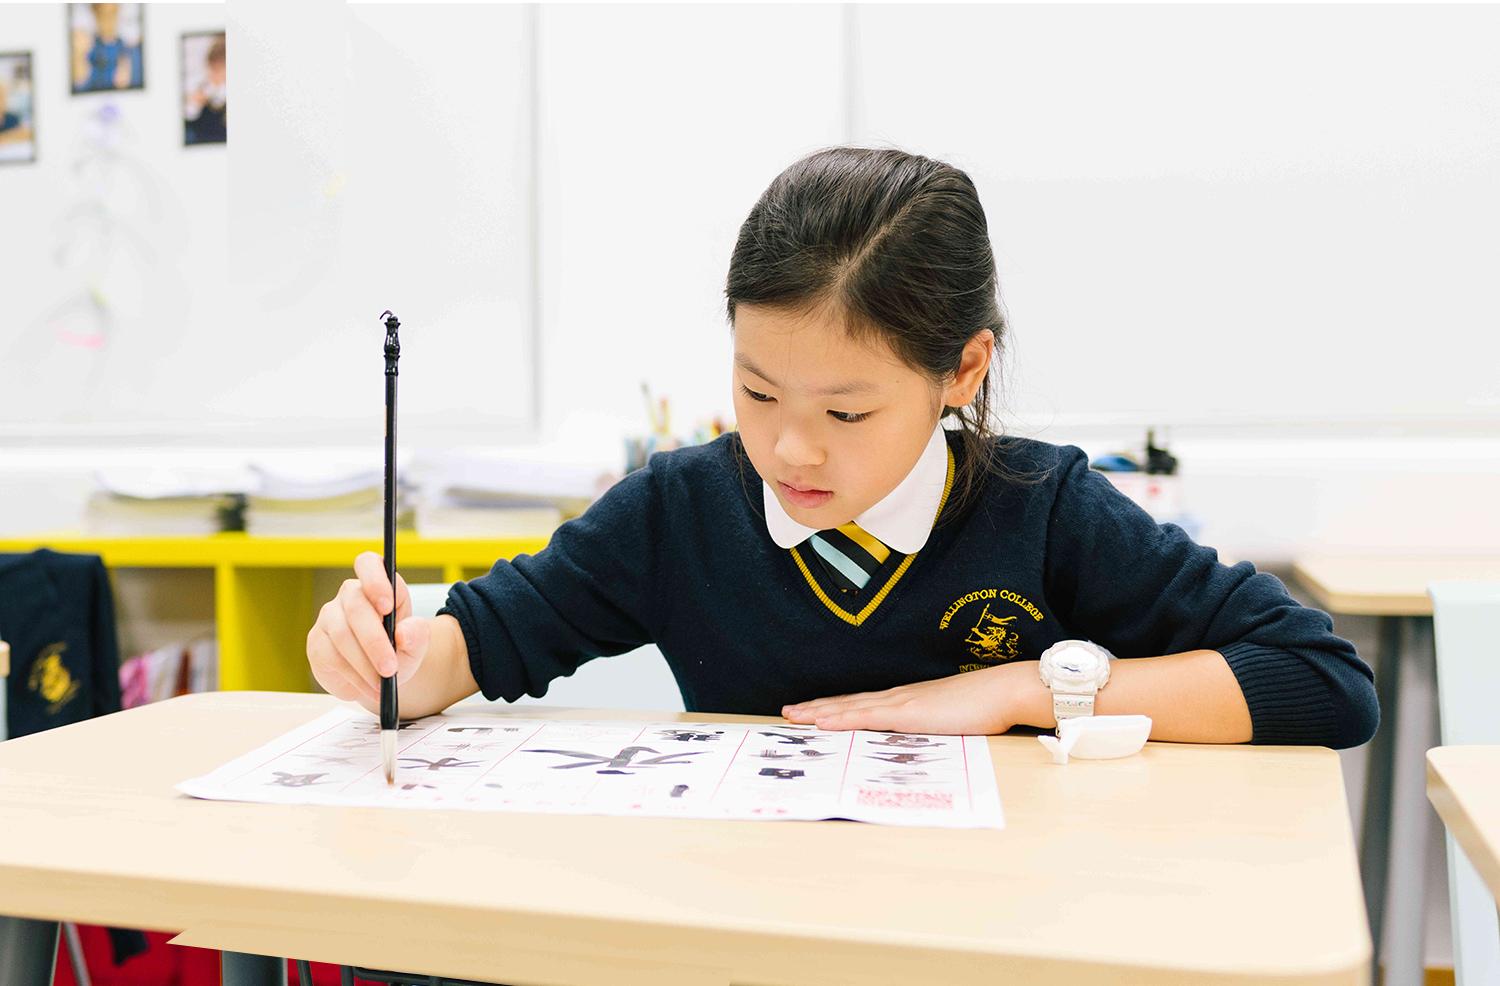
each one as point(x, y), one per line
point(682, 770)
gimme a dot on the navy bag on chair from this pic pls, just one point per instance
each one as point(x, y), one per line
point(58, 615)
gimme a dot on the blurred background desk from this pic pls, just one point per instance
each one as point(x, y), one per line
point(1463, 784)
point(1394, 588)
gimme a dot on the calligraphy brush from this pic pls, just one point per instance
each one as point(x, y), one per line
point(389, 718)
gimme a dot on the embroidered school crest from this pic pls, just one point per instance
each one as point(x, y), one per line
point(991, 639)
point(992, 635)
point(51, 679)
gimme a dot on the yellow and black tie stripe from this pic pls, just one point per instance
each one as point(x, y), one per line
point(849, 555)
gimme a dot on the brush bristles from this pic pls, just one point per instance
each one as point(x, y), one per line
point(388, 754)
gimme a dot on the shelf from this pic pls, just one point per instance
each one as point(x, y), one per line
point(263, 586)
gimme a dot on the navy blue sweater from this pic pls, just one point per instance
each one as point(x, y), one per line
point(678, 554)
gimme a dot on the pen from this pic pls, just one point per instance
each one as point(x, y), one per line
point(650, 406)
point(389, 717)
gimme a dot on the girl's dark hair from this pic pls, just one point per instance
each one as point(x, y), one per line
point(898, 244)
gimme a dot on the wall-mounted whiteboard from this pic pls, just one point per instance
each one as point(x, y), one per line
point(1220, 214)
point(379, 157)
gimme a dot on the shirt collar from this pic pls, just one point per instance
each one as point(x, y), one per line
point(902, 519)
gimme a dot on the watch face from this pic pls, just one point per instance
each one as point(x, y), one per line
point(1074, 665)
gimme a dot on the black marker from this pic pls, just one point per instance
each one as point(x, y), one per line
point(389, 718)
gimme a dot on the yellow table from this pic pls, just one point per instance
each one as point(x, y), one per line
point(1394, 588)
point(1463, 784)
point(263, 586)
point(1183, 865)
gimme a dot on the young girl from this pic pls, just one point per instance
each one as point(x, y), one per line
point(845, 559)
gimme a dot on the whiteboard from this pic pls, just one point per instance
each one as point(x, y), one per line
point(1218, 214)
point(378, 158)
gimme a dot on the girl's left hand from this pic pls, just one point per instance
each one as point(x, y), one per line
point(973, 703)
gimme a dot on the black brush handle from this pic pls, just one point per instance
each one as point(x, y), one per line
point(388, 702)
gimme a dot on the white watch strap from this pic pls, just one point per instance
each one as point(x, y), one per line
point(1069, 705)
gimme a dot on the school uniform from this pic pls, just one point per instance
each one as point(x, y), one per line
point(753, 611)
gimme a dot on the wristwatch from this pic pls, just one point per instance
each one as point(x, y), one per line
point(1075, 670)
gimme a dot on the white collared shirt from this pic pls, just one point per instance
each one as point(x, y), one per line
point(902, 519)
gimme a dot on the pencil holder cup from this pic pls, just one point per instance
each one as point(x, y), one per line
point(638, 448)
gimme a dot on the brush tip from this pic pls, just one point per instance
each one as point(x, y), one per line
point(388, 754)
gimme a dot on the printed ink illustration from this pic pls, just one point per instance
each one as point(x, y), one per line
point(790, 740)
point(706, 770)
point(908, 741)
point(901, 777)
point(329, 759)
point(788, 754)
point(615, 763)
point(283, 779)
point(442, 764)
point(689, 735)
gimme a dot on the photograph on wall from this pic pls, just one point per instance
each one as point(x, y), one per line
point(106, 46)
point(17, 109)
point(204, 99)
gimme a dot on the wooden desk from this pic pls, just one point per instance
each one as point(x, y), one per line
point(1186, 864)
point(1463, 784)
point(1384, 585)
point(1394, 588)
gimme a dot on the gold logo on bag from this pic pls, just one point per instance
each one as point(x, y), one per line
point(51, 679)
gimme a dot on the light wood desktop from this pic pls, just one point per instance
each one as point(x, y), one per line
point(1184, 864)
point(1384, 585)
point(1463, 784)
point(1393, 587)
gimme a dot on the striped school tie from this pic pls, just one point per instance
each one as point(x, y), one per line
point(850, 554)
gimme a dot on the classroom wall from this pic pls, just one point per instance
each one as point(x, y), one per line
point(1265, 229)
point(122, 212)
point(1270, 243)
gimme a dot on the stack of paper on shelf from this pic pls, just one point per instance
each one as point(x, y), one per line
point(134, 501)
point(502, 493)
point(308, 496)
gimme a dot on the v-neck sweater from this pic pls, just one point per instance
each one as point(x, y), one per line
point(677, 554)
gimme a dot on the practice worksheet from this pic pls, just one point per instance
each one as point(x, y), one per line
point(685, 770)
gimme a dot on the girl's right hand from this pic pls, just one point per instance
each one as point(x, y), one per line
point(347, 647)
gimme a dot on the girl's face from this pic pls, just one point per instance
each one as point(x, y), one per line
point(831, 423)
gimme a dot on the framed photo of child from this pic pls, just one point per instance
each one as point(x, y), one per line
point(204, 93)
point(106, 46)
point(17, 109)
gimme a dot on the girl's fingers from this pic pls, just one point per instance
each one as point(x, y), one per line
point(370, 568)
point(899, 717)
point(412, 636)
point(403, 599)
point(825, 706)
point(366, 626)
point(331, 670)
point(350, 652)
point(358, 690)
